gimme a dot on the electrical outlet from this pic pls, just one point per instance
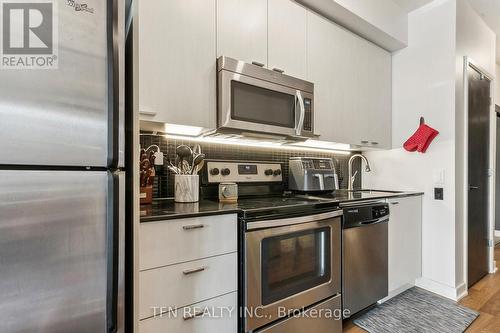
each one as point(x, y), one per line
point(438, 193)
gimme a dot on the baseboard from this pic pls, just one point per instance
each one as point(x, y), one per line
point(462, 291)
point(396, 292)
point(441, 289)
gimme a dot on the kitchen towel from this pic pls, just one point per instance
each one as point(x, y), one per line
point(421, 139)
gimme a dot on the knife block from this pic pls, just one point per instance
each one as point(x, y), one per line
point(146, 195)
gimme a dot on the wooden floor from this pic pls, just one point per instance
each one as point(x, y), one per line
point(483, 297)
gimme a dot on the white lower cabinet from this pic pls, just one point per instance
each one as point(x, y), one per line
point(170, 242)
point(219, 316)
point(184, 284)
point(188, 279)
point(405, 243)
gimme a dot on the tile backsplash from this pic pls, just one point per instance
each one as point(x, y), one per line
point(163, 185)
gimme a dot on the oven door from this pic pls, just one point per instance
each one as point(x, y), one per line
point(291, 266)
point(254, 105)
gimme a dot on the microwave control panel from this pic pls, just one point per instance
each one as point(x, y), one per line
point(243, 172)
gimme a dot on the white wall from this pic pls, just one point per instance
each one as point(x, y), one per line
point(478, 42)
point(427, 78)
point(424, 85)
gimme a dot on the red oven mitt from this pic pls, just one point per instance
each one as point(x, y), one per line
point(421, 139)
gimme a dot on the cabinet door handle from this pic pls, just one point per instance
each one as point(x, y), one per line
point(256, 63)
point(148, 113)
point(194, 226)
point(395, 203)
point(365, 142)
point(194, 315)
point(278, 70)
point(374, 143)
point(192, 271)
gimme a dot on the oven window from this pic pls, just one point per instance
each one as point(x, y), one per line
point(260, 105)
point(295, 262)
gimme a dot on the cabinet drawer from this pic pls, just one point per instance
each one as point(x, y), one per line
point(184, 284)
point(221, 320)
point(170, 242)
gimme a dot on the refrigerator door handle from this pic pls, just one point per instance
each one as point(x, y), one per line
point(113, 256)
point(116, 122)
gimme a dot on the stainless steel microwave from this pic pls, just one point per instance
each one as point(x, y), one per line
point(252, 99)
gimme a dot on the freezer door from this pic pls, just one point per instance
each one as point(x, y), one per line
point(69, 116)
point(55, 252)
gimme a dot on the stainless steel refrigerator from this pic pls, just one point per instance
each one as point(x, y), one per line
point(62, 180)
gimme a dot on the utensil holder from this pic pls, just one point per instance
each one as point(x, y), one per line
point(187, 188)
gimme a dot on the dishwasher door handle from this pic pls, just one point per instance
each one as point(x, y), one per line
point(374, 221)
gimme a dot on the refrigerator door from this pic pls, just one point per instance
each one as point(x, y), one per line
point(55, 251)
point(69, 116)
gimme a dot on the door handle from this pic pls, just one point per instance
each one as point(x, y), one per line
point(300, 124)
point(256, 63)
point(192, 271)
point(471, 188)
point(192, 227)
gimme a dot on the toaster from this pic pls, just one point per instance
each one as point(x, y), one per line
point(312, 174)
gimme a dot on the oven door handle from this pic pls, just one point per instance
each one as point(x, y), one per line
point(294, 220)
point(302, 114)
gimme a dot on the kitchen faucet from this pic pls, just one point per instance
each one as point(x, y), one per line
point(353, 177)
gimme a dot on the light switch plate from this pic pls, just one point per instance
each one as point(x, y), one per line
point(438, 176)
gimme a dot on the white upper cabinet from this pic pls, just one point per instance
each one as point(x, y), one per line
point(374, 113)
point(242, 30)
point(352, 85)
point(287, 37)
point(328, 68)
point(177, 61)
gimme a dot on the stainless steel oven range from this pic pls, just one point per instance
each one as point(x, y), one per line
point(290, 251)
point(291, 263)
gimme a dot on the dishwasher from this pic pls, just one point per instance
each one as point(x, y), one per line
point(364, 255)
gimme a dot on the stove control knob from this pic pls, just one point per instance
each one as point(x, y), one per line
point(277, 172)
point(225, 172)
point(268, 172)
point(214, 171)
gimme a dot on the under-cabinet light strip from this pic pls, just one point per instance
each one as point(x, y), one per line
point(256, 144)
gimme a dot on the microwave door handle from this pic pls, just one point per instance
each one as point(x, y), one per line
point(298, 129)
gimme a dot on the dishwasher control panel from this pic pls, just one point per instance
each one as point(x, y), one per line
point(364, 214)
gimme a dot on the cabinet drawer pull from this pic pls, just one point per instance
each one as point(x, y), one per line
point(395, 203)
point(148, 113)
point(194, 315)
point(194, 226)
point(192, 271)
point(374, 143)
point(278, 70)
point(365, 142)
point(256, 63)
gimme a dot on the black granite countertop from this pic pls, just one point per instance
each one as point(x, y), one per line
point(167, 209)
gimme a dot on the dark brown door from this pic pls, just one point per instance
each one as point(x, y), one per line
point(479, 133)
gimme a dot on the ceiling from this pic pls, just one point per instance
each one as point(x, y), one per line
point(410, 5)
point(490, 11)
